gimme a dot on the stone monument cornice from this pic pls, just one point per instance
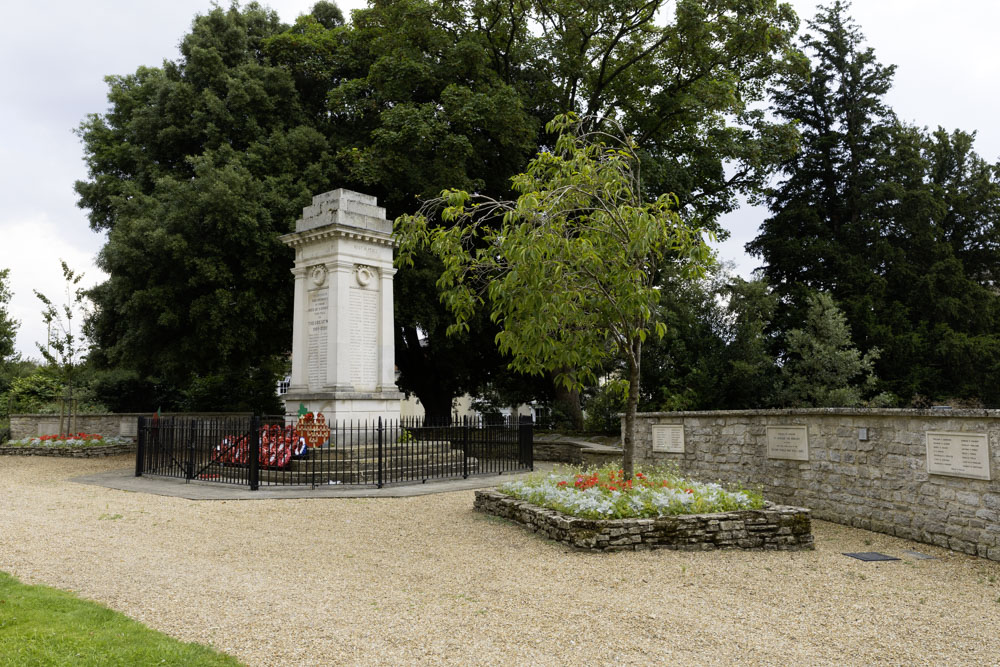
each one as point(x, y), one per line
point(336, 231)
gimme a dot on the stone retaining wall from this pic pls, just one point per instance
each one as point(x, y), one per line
point(72, 452)
point(773, 528)
point(111, 424)
point(863, 468)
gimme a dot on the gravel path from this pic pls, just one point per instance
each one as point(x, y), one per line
point(427, 580)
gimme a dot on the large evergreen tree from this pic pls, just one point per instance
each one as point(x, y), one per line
point(898, 225)
point(822, 236)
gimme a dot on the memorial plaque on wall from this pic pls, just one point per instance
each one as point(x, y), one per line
point(788, 442)
point(668, 438)
point(958, 454)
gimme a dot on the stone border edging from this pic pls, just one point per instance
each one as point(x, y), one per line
point(777, 527)
point(70, 452)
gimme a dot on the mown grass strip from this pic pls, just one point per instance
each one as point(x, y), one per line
point(45, 626)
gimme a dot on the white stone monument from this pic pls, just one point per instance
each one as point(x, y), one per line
point(342, 333)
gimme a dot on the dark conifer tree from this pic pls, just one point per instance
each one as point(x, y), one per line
point(898, 225)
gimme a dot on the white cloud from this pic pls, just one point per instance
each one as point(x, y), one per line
point(31, 249)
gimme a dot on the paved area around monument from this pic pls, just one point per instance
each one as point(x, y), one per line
point(426, 580)
point(124, 479)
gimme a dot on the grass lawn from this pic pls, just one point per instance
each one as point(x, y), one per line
point(46, 626)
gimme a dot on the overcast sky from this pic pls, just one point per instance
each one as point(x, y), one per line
point(56, 53)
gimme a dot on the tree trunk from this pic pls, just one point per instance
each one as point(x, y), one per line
point(437, 407)
point(631, 407)
point(566, 404)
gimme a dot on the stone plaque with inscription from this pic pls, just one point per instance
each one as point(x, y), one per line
point(317, 322)
point(958, 454)
point(362, 313)
point(668, 438)
point(788, 442)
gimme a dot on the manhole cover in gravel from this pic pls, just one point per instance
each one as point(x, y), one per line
point(871, 556)
point(918, 555)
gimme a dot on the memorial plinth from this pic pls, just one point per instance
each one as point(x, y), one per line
point(343, 362)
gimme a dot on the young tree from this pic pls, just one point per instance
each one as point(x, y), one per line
point(64, 344)
point(8, 325)
point(823, 369)
point(569, 268)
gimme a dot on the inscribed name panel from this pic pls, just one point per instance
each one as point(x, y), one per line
point(788, 442)
point(668, 438)
point(958, 454)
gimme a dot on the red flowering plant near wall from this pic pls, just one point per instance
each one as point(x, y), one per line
point(604, 493)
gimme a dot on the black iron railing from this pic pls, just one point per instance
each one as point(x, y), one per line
point(272, 451)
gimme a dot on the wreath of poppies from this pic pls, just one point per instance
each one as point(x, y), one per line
point(278, 444)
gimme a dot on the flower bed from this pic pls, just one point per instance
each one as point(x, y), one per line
point(599, 510)
point(604, 493)
point(77, 445)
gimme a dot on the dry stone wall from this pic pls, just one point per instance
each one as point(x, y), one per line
point(924, 475)
point(773, 528)
point(70, 452)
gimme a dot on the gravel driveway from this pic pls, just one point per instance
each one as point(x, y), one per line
point(427, 580)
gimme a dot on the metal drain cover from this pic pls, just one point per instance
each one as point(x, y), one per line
point(871, 556)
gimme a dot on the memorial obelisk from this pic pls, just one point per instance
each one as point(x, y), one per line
point(343, 362)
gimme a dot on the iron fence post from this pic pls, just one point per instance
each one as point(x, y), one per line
point(465, 447)
point(526, 440)
point(140, 446)
point(254, 453)
point(380, 452)
point(189, 463)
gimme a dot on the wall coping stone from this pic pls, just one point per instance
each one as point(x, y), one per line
point(868, 412)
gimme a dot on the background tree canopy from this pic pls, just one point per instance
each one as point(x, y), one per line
point(201, 163)
point(899, 225)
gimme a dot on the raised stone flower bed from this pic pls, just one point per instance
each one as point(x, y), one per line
point(71, 452)
point(776, 527)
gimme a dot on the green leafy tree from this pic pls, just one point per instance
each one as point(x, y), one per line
point(940, 315)
point(823, 369)
point(570, 270)
point(195, 171)
point(750, 373)
point(65, 342)
point(715, 354)
point(440, 94)
point(65, 345)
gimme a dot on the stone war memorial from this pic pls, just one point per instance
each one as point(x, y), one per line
point(342, 331)
point(342, 421)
